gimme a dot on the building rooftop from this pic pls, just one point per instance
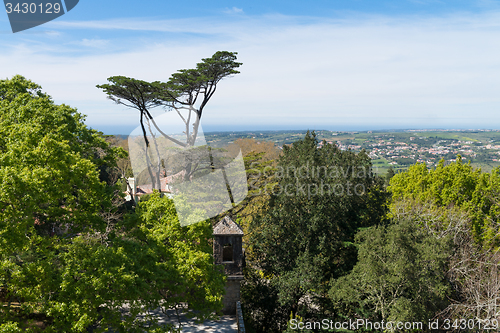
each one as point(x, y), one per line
point(227, 226)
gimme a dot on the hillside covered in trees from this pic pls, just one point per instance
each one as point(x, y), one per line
point(327, 240)
point(336, 244)
point(74, 256)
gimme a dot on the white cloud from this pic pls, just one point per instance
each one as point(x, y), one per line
point(95, 43)
point(186, 25)
point(426, 2)
point(302, 71)
point(234, 10)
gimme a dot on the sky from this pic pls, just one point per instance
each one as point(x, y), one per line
point(325, 64)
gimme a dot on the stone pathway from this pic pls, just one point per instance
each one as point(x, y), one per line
point(226, 324)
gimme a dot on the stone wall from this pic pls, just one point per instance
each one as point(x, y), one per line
point(232, 294)
point(239, 318)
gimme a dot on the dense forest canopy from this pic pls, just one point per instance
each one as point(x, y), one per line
point(325, 237)
point(413, 247)
point(73, 256)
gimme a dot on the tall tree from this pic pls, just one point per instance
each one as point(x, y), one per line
point(187, 90)
point(260, 164)
point(61, 262)
point(324, 195)
point(461, 202)
point(400, 275)
point(456, 184)
point(191, 87)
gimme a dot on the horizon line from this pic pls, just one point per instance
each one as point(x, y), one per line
point(337, 131)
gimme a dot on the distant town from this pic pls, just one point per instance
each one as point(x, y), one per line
point(396, 149)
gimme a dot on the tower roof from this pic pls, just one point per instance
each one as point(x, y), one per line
point(226, 226)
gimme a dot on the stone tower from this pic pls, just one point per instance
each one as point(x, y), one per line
point(228, 251)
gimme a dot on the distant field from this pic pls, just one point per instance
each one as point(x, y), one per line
point(479, 136)
point(486, 167)
point(380, 166)
point(370, 139)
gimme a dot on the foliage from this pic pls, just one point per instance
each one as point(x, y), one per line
point(459, 202)
point(49, 167)
point(68, 262)
point(183, 254)
point(123, 165)
point(456, 184)
point(248, 147)
point(400, 275)
point(187, 85)
point(389, 175)
point(324, 195)
point(297, 322)
point(261, 308)
point(472, 271)
point(9, 327)
point(260, 160)
point(184, 88)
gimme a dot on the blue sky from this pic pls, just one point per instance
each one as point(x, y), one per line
point(339, 65)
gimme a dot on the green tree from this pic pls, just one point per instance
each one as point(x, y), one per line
point(400, 276)
point(456, 184)
point(304, 239)
point(63, 262)
point(260, 160)
point(183, 255)
point(390, 173)
point(49, 167)
point(461, 202)
point(51, 191)
point(187, 90)
point(472, 268)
